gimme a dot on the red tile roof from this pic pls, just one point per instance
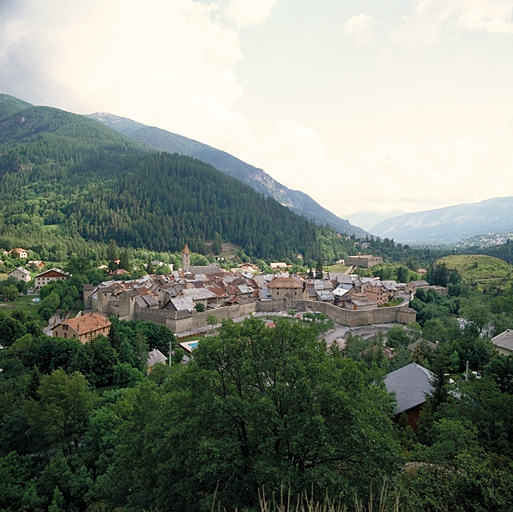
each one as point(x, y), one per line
point(87, 323)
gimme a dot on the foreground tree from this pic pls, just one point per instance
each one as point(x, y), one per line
point(60, 416)
point(257, 408)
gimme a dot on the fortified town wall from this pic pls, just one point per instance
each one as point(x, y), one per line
point(178, 322)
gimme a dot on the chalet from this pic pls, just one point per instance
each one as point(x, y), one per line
point(504, 342)
point(53, 274)
point(20, 274)
point(83, 328)
point(36, 264)
point(19, 253)
point(411, 384)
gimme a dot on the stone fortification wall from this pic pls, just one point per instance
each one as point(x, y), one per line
point(159, 316)
point(195, 320)
point(342, 316)
point(339, 315)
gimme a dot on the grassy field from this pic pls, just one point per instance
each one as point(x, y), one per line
point(336, 268)
point(480, 269)
point(23, 303)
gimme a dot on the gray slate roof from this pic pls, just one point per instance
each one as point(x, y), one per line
point(156, 356)
point(504, 340)
point(410, 384)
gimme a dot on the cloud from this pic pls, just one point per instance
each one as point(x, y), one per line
point(250, 12)
point(410, 176)
point(360, 28)
point(430, 19)
point(168, 63)
point(292, 154)
point(493, 16)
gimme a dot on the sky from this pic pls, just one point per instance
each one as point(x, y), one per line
point(368, 105)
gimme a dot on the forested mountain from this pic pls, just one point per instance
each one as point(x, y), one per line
point(258, 179)
point(61, 172)
point(450, 224)
point(10, 105)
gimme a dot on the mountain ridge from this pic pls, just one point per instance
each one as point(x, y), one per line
point(257, 178)
point(88, 181)
point(449, 224)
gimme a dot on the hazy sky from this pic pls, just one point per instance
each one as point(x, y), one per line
point(365, 105)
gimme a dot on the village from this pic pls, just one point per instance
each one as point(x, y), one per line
point(188, 299)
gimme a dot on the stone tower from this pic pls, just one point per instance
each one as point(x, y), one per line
point(186, 259)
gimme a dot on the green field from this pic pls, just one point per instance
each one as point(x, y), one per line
point(336, 268)
point(480, 269)
point(23, 303)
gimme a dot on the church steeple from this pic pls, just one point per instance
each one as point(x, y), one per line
point(186, 259)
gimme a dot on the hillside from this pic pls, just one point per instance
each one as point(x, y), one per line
point(76, 176)
point(479, 268)
point(256, 178)
point(10, 105)
point(450, 224)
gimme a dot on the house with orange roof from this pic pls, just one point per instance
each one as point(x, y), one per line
point(19, 253)
point(83, 328)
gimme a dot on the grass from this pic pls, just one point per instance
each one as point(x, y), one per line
point(386, 502)
point(479, 268)
point(51, 227)
point(336, 268)
point(23, 303)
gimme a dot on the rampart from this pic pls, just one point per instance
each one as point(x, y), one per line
point(180, 322)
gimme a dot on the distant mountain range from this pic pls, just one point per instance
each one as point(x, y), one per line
point(450, 224)
point(367, 220)
point(162, 140)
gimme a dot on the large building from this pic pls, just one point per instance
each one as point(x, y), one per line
point(285, 288)
point(53, 274)
point(83, 328)
point(20, 274)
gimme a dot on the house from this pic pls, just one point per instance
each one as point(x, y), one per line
point(277, 265)
point(19, 253)
point(413, 286)
point(504, 342)
point(154, 357)
point(53, 274)
point(37, 264)
point(285, 288)
point(249, 267)
point(411, 385)
point(83, 328)
point(119, 272)
point(20, 274)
